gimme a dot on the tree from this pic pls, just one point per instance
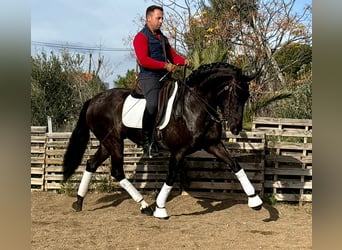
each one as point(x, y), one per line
point(255, 29)
point(292, 57)
point(299, 106)
point(50, 91)
point(249, 33)
point(127, 81)
point(273, 26)
point(59, 87)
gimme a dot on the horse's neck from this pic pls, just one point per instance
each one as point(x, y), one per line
point(193, 101)
point(198, 93)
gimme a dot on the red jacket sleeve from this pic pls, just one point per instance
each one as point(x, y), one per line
point(176, 59)
point(140, 45)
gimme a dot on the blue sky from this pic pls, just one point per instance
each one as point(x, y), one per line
point(105, 23)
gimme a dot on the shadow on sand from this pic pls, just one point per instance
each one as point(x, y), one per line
point(208, 205)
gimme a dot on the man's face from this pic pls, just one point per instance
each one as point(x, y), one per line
point(155, 20)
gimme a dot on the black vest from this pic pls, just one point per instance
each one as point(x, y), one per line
point(155, 51)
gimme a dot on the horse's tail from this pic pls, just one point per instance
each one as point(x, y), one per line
point(77, 144)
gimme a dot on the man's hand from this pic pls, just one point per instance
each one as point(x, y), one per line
point(188, 62)
point(170, 67)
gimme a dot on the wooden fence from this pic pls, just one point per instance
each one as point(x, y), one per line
point(273, 166)
point(38, 150)
point(209, 178)
point(202, 175)
point(288, 168)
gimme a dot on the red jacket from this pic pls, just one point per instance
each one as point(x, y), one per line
point(140, 44)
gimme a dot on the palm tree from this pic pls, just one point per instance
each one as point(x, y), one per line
point(212, 53)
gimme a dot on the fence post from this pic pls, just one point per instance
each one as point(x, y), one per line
point(49, 121)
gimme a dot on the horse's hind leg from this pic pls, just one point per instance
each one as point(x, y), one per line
point(221, 152)
point(118, 173)
point(92, 164)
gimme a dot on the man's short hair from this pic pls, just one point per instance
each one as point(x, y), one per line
point(151, 8)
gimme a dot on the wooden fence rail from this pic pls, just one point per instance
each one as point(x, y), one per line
point(273, 165)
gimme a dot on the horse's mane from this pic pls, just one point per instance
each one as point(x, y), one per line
point(207, 70)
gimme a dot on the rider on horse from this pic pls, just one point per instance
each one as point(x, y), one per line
point(156, 58)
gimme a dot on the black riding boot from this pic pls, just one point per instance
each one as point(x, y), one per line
point(147, 132)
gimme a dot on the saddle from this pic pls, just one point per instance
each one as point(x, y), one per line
point(165, 99)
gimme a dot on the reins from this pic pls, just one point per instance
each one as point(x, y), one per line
point(205, 105)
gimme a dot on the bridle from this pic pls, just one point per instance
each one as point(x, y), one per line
point(211, 111)
point(230, 87)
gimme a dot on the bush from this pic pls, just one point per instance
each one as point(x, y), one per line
point(299, 106)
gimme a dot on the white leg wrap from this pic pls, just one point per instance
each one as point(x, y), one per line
point(246, 184)
point(253, 201)
point(84, 185)
point(133, 192)
point(160, 211)
point(163, 194)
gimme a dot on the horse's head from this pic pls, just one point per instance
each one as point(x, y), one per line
point(231, 98)
point(225, 86)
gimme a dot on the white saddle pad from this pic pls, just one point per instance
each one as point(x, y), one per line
point(133, 110)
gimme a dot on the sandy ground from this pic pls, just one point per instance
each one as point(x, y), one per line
point(113, 221)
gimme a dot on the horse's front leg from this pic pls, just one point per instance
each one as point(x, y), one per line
point(220, 151)
point(174, 163)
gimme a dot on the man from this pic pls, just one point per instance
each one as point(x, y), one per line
point(156, 58)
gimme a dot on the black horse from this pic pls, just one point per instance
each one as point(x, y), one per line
point(195, 124)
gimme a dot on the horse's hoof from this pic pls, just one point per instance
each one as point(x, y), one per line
point(161, 213)
point(76, 206)
point(164, 218)
point(147, 211)
point(255, 202)
point(257, 207)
